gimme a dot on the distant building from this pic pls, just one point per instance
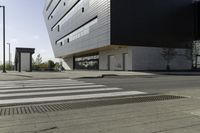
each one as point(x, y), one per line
point(122, 35)
point(23, 59)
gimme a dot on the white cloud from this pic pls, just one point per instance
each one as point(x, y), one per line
point(36, 37)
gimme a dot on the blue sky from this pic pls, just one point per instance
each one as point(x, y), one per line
point(25, 27)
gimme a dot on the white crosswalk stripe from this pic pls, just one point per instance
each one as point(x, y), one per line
point(50, 89)
point(36, 91)
point(59, 92)
point(41, 86)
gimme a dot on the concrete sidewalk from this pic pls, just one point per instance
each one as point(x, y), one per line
point(173, 116)
point(66, 74)
point(83, 74)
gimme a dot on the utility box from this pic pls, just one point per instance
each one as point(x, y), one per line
point(23, 59)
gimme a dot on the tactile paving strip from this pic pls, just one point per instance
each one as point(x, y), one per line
point(32, 109)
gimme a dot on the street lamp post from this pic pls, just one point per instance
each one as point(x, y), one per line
point(4, 39)
point(9, 55)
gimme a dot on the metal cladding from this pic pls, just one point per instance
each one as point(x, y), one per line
point(77, 26)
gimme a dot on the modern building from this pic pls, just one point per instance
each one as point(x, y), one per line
point(123, 35)
point(23, 59)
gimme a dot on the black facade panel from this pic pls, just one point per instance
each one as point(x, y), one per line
point(152, 23)
point(197, 20)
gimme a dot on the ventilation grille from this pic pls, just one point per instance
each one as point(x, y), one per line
point(32, 109)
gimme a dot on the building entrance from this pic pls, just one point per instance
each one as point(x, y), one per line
point(111, 62)
point(125, 62)
point(87, 62)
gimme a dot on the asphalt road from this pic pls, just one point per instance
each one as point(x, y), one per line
point(51, 90)
point(150, 84)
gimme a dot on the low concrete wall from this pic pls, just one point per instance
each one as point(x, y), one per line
point(118, 57)
point(151, 58)
point(68, 63)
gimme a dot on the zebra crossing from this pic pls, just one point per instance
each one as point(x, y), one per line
point(54, 90)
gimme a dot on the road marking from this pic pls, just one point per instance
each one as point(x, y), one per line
point(43, 86)
point(35, 91)
point(59, 92)
point(37, 80)
point(71, 97)
point(48, 89)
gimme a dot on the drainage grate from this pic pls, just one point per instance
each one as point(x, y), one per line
point(32, 109)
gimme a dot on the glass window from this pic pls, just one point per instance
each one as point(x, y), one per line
point(90, 62)
point(82, 31)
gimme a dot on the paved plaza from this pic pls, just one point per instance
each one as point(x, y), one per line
point(176, 116)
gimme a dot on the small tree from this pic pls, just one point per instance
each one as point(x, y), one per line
point(34, 66)
point(38, 60)
point(9, 67)
point(168, 55)
point(43, 66)
point(59, 66)
point(51, 64)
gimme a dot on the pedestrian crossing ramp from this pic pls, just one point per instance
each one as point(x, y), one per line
point(56, 90)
